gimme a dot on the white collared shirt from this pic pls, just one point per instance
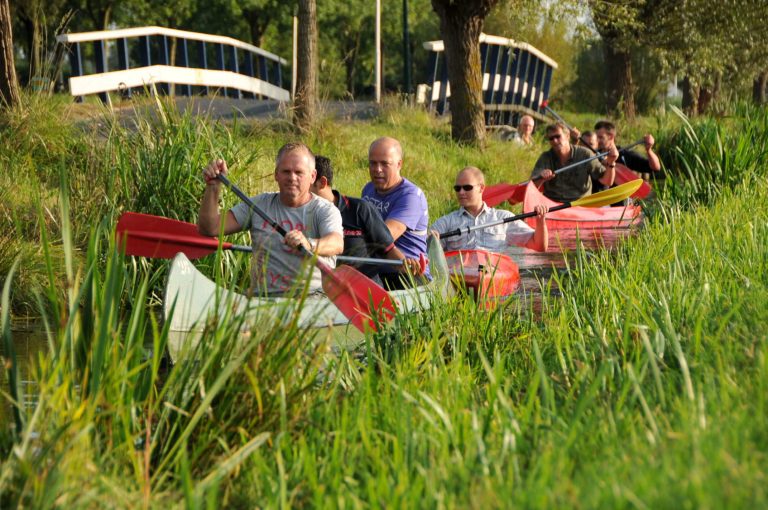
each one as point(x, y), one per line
point(493, 238)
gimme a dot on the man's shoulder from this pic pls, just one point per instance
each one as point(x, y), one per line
point(410, 188)
point(456, 213)
point(322, 205)
point(360, 206)
point(549, 153)
point(631, 155)
point(499, 213)
point(580, 152)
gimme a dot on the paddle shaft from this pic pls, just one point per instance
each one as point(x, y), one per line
point(340, 258)
point(564, 123)
point(158, 237)
point(467, 230)
point(556, 116)
point(598, 199)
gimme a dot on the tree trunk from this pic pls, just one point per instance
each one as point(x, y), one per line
point(690, 97)
point(707, 94)
point(759, 88)
point(460, 26)
point(9, 85)
point(305, 100)
point(350, 61)
point(33, 42)
point(257, 25)
point(621, 87)
point(705, 99)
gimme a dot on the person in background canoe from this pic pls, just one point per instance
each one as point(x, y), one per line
point(365, 233)
point(587, 139)
point(400, 202)
point(470, 183)
point(576, 182)
point(524, 133)
point(606, 141)
point(311, 222)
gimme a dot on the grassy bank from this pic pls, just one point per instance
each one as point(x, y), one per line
point(643, 386)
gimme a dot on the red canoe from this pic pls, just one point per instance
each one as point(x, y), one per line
point(491, 277)
point(583, 218)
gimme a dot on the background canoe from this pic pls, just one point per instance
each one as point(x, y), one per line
point(581, 217)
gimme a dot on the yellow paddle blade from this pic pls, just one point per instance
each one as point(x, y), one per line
point(609, 196)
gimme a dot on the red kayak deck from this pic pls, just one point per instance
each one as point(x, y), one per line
point(583, 218)
point(491, 277)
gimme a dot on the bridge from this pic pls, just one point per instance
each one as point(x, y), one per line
point(127, 59)
point(516, 76)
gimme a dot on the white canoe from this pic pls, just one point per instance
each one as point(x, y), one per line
point(192, 301)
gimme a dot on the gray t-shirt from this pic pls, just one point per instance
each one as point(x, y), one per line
point(275, 266)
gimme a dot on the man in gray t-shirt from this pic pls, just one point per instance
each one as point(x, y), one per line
point(310, 221)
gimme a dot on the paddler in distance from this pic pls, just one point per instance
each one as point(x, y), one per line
point(576, 182)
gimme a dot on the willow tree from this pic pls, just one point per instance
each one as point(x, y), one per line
point(716, 46)
point(461, 23)
point(621, 24)
point(9, 85)
point(305, 98)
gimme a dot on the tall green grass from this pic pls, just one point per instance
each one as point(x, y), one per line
point(706, 156)
point(110, 422)
point(642, 385)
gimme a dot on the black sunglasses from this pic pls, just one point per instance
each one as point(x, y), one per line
point(465, 187)
point(554, 137)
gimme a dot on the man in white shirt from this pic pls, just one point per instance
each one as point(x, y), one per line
point(469, 187)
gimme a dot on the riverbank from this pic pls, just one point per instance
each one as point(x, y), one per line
point(643, 385)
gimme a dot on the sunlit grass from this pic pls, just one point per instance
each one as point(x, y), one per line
point(643, 384)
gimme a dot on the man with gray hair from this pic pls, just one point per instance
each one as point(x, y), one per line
point(311, 222)
point(470, 183)
point(524, 133)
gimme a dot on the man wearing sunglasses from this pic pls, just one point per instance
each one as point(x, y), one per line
point(469, 187)
point(576, 182)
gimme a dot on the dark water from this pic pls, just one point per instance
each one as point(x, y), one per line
point(30, 341)
point(536, 268)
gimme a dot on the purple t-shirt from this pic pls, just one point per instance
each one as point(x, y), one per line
point(407, 204)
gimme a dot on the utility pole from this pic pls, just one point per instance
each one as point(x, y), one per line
point(406, 49)
point(378, 51)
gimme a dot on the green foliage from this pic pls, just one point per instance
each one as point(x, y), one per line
point(110, 421)
point(709, 156)
point(642, 382)
point(587, 92)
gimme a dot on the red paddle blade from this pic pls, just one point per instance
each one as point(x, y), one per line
point(496, 194)
point(624, 175)
point(358, 297)
point(145, 235)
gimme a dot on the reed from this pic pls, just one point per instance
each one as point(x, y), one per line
point(642, 383)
